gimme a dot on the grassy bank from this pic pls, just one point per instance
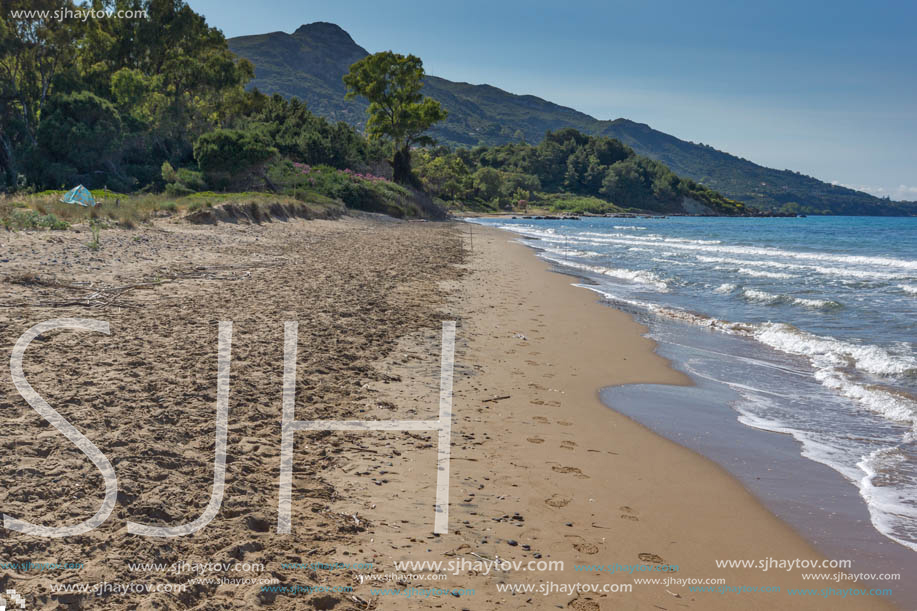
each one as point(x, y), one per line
point(45, 210)
point(357, 190)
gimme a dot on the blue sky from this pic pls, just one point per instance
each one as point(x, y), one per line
point(825, 88)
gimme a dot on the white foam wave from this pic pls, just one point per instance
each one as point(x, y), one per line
point(835, 361)
point(651, 238)
point(678, 314)
point(761, 296)
point(818, 304)
point(570, 252)
point(716, 246)
point(829, 352)
point(823, 351)
point(639, 276)
point(827, 271)
point(829, 356)
point(634, 227)
point(757, 273)
point(889, 506)
point(877, 400)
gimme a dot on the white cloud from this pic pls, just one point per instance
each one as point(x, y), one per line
point(899, 193)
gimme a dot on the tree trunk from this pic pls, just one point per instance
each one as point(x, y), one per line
point(401, 167)
point(7, 162)
point(269, 183)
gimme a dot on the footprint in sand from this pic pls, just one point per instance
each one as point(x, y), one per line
point(568, 445)
point(655, 559)
point(552, 403)
point(530, 362)
point(574, 470)
point(584, 604)
point(535, 440)
point(628, 514)
point(564, 423)
point(541, 419)
point(583, 546)
point(556, 500)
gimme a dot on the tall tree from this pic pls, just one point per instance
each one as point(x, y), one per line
point(159, 80)
point(397, 110)
point(32, 53)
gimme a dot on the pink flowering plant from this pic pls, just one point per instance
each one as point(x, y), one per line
point(305, 168)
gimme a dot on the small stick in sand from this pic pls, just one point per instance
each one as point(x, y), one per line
point(494, 399)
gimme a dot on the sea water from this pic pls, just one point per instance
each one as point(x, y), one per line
point(811, 322)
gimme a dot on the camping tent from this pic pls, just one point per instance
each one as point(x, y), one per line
point(79, 195)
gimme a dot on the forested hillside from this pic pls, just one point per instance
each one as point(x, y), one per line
point(566, 171)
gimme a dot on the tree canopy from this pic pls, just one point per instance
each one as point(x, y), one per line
point(603, 173)
point(398, 111)
point(112, 102)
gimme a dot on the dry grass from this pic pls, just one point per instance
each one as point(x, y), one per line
point(46, 211)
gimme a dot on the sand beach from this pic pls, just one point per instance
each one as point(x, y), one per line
point(541, 470)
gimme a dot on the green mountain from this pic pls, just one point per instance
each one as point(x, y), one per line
point(310, 62)
point(738, 178)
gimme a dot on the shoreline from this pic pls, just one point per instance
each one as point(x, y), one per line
point(806, 493)
point(809, 496)
point(691, 514)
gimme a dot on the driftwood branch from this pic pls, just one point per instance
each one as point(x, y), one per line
point(96, 296)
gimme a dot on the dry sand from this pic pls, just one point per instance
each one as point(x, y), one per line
point(549, 467)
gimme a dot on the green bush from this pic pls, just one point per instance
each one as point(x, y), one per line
point(578, 204)
point(174, 189)
point(183, 181)
point(231, 156)
point(191, 179)
point(95, 228)
point(30, 219)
